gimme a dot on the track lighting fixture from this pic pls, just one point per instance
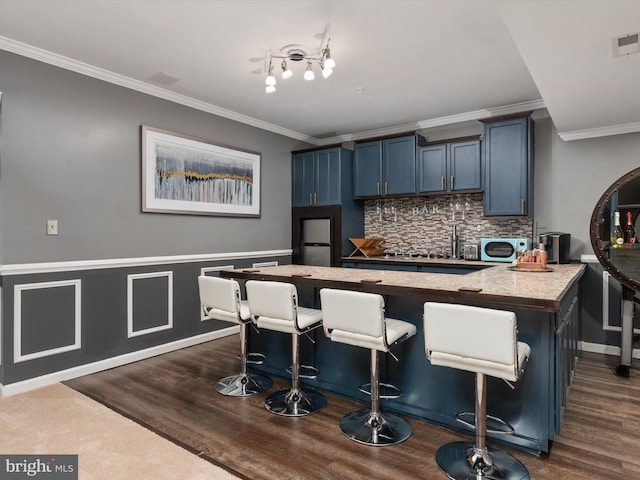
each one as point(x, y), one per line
point(298, 53)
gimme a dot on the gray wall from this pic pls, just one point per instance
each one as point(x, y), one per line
point(571, 176)
point(71, 150)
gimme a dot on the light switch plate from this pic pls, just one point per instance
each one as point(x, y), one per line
point(52, 227)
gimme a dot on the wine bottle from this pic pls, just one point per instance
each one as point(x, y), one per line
point(629, 232)
point(617, 236)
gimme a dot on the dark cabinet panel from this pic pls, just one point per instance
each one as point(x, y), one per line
point(449, 167)
point(508, 167)
point(367, 169)
point(385, 167)
point(322, 177)
point(399, 165)
point(464, 166)
point(303, 175)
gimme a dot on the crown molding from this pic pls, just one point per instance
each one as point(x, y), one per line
point(600, 132)
point(67, 63)
point(483, 114)
point(438, 122)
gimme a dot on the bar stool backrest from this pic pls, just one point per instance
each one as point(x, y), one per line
point(470, 338)
point(220, 298)
point(273, 300)
point(354, 312)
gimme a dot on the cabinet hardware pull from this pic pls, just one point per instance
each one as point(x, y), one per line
point(315, 198)
point(522, 206)
point(451, 183)
point(386, 188)
point(310, 199)
point(442, 183)
point(378, 188)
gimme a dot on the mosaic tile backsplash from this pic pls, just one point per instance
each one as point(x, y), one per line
point(421, 225)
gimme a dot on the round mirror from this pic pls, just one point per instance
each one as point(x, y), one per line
point(622, 259)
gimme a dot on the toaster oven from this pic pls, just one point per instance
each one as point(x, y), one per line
point(502, 249)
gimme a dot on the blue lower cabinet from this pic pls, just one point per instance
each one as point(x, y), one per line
point(435, 394)
point(379, 266)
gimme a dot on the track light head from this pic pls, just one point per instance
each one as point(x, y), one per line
point(286, 71)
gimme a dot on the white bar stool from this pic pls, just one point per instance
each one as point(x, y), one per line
point(357, 318)
point(483, 341)
point(274, 306)
point(220, 299)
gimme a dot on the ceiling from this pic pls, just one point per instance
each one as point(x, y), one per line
point(401, 65)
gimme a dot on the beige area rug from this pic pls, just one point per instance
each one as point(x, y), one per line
point(59, 420)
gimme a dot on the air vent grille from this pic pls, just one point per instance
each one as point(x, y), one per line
point(164, 78)
point(626, 45)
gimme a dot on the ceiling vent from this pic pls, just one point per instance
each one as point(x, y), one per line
point(164, 78)
point(625, 45)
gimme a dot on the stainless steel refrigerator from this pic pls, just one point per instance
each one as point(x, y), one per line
point(316, 241)
point(320, 235)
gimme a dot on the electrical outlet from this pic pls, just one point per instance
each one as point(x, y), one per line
point(52, 227)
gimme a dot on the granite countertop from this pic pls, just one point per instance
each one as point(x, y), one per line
point(500, 286)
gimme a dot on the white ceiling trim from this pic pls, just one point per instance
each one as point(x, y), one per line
point(92, 71)
point(600, 131)
point(482, 114)
point(67, 63)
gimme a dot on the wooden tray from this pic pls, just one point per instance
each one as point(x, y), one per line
point(369, 247)
point(530, 270)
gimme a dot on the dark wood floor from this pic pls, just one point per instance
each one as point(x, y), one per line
point(174, 395)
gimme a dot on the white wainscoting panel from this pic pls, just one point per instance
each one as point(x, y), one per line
point(141, 276)
point(17, 319)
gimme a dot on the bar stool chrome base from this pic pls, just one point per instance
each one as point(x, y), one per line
point(243, 385)
point(295, 402)
point(462, 461)
point(366, 427)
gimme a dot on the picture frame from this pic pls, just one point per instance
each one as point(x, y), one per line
point(186, 175)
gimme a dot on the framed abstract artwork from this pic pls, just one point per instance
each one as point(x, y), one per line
point(185, 175)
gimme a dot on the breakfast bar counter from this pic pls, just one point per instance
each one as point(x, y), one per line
point(547, 308)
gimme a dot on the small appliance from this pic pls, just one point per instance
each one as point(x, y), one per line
point(502, 249)
point(470, 252)
point(557, 246)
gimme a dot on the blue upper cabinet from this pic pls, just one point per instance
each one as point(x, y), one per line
point(385, 167)
point(508, 165)
point(432, 168)
point(464, 166)
point(367, 169)
point(321, 177)
point(304, 178)
point(449, 167)
point(399, 165)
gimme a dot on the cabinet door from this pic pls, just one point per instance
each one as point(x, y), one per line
point(507, 167)
point(464, 166)
point(432, 168)
point(399, 165)
point(303, 179)
point(367, 169)
point(328, 179)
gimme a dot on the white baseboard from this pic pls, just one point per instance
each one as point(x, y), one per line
point(605, 349)
point(79, 371)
